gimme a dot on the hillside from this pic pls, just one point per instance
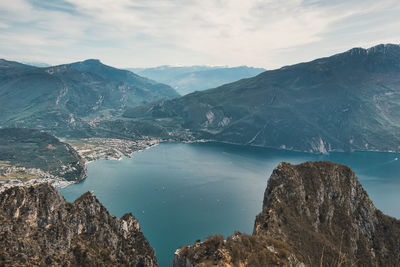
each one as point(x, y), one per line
point(34, 149)
point(39, 228)
point(71, 96)
point(187, 79)
point(314, 214)
point(349, 101)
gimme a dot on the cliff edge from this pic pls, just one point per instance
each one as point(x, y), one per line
point(314, 214)
point(38, 227)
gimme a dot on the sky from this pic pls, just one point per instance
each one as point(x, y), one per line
point(146, 33)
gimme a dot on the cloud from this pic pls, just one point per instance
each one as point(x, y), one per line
point(124, 33)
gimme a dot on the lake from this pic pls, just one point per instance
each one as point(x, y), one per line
point(184, 192)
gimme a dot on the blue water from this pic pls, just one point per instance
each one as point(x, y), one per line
point(184, 192)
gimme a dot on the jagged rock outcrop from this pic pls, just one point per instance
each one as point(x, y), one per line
point(38, 227)
point(314, 214)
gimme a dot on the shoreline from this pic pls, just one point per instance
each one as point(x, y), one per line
point(289, 149)
point(117, 149)
point(122, 156)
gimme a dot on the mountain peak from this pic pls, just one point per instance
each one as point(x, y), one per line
point(79, 233)
point(315, 213)
point(91, 61)
point(378, 49)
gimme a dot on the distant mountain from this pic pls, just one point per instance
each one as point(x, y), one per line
point(69, 96)
point(197, 78)
point(349, 101)
point(36, 64)
point(314, 214)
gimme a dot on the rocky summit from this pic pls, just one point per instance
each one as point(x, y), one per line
point(314, 214)
point(38, 227)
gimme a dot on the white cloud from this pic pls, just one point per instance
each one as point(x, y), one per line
point(267, 33)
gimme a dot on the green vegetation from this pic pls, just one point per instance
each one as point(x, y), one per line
point(71, 98)
point(4, 163)
point(21, 176)
point(239, 249)
point(349, 101)
point(36, 149)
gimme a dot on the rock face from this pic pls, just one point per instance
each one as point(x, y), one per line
point(314, 214)
point(38, 227)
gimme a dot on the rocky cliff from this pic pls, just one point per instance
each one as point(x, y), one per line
point(314, 214)
point(38, 227)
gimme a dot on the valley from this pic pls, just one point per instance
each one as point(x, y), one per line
point(188, 79)
point(204, 162)
point(200, 133)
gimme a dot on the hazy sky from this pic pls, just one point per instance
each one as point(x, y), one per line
point(137, 33)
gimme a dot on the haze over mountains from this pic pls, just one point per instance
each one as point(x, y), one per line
point(349, 101)
point(187, 79)
point(69, 96)
point(313, 213)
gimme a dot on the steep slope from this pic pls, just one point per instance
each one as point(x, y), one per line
point(70, 96)
point(188, 79)
point(315, 213)
point(11, 67)
point(28, 148)
point(349, 101)
point(38, 227)
point(148, 89)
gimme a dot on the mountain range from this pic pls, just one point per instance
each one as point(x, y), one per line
point(71, 96)
point(187, 79)
point(349, 101)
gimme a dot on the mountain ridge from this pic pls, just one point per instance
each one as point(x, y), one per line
point(187, 79)
point(70, 96)
point(345, 102)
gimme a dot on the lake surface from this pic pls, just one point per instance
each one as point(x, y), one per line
point(184, 192)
